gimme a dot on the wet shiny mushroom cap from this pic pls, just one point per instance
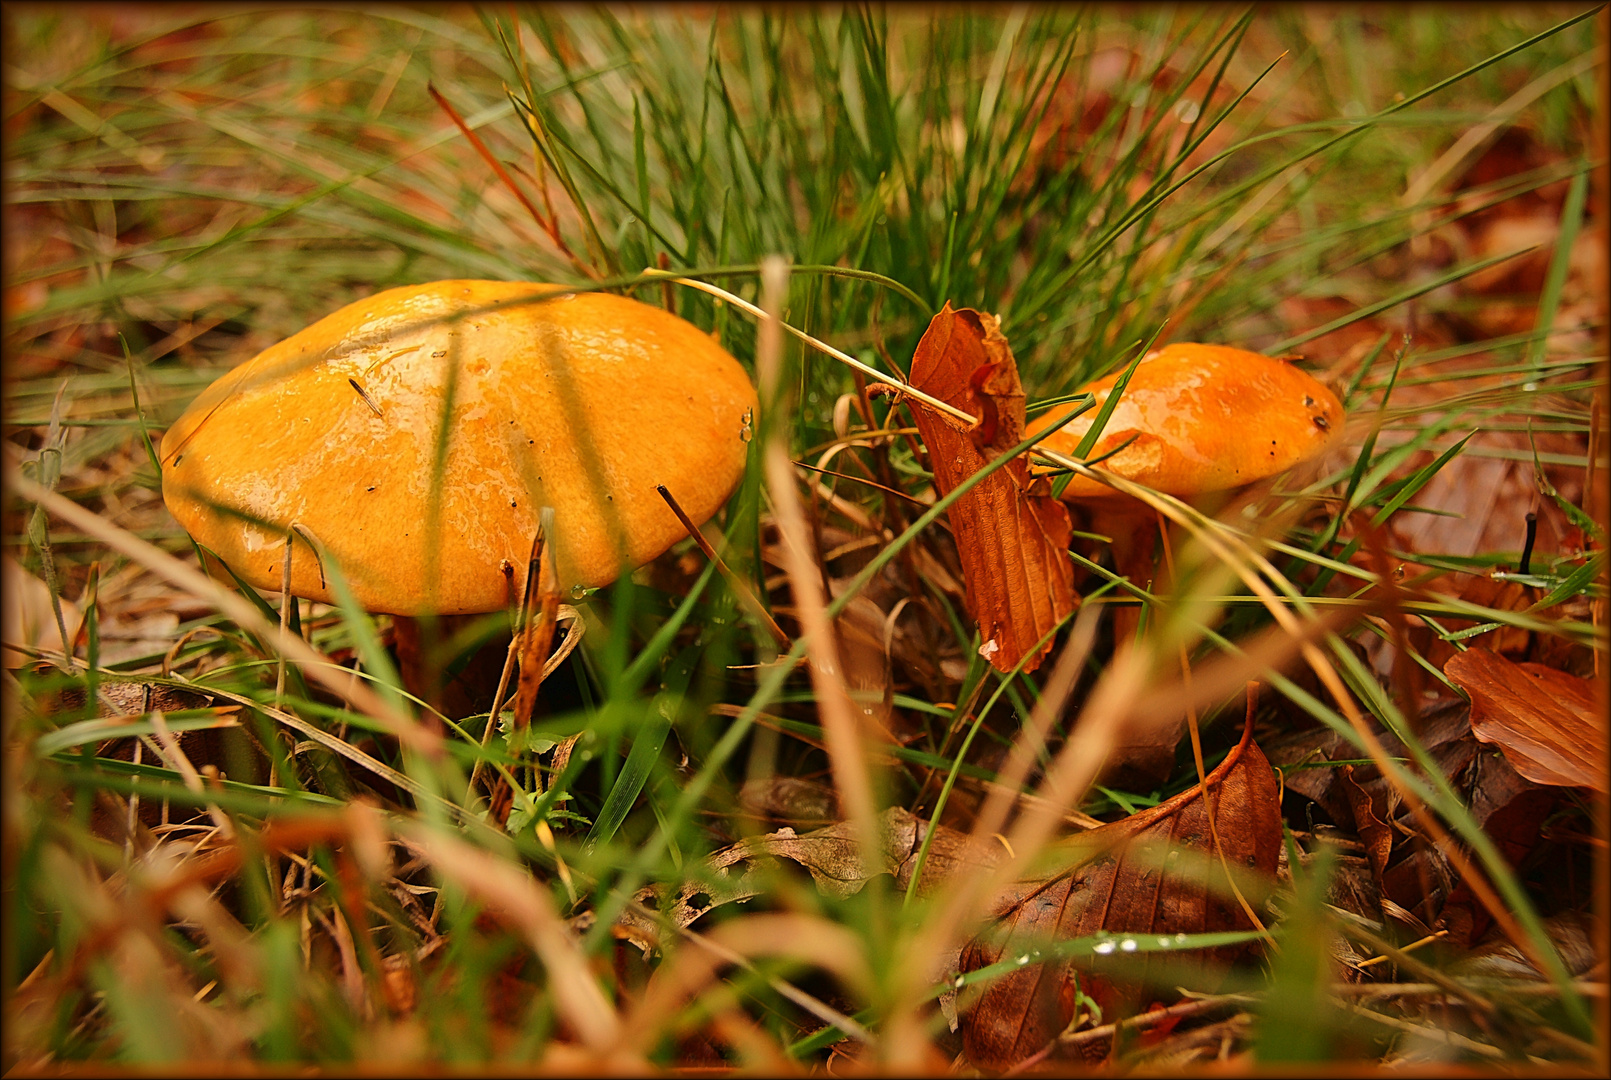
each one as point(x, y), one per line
point(581, 402)
point(1204, 418)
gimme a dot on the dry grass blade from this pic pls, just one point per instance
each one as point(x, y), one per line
point(745, 594)
point(1152, 1018)
point(287, 601)
point(537, 635)
point(175, 759)
point(514, 897)
point(1478, 136)
point(944, 931)
point(573, 637)
point(548, 224)
point(840, 724)
point(823, 347)
point(333, 744)
point(31, 611)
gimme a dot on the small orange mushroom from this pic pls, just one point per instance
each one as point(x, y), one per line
point(581, 402)
point(1198, 419)
point(1203, 418)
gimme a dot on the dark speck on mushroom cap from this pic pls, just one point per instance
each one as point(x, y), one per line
point(1204, 418)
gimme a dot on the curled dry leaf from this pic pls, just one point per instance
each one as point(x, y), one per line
point(1012, 536)
point(1374, 833)
point(1544, 721)
point(1305, 758)
point(1573, 933)
point(1512, 810)
point(1127, 877)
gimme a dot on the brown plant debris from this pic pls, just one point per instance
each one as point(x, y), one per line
point(1011, 535)
point(1134, 876)
point(1543, 720)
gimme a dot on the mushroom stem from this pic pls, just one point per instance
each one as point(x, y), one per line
point(418, 644)
point(1149, 757)
point(1134, 528)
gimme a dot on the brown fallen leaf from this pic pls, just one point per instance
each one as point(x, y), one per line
point(832, 856)
point(1512, 811)
point(1304, 759)
point(1573, 933)
point(126, 697)
point(1011, 535)
point(1128, 878)
point(790, 800)
point(1414, 878)
point(1544, 721)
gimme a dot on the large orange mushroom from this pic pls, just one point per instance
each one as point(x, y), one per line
point(581, 402)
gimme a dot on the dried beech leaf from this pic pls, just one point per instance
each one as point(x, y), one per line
point(1128, 877)
point(1512, 810)
point(129, 697)
point(790, 799)
point(1409, 876)
point(1544, 721)
point(1011, 535)
point(832, 856)
point(1445, 732)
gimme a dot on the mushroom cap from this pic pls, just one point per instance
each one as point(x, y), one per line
point(1204, 418)
point(581, 402)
